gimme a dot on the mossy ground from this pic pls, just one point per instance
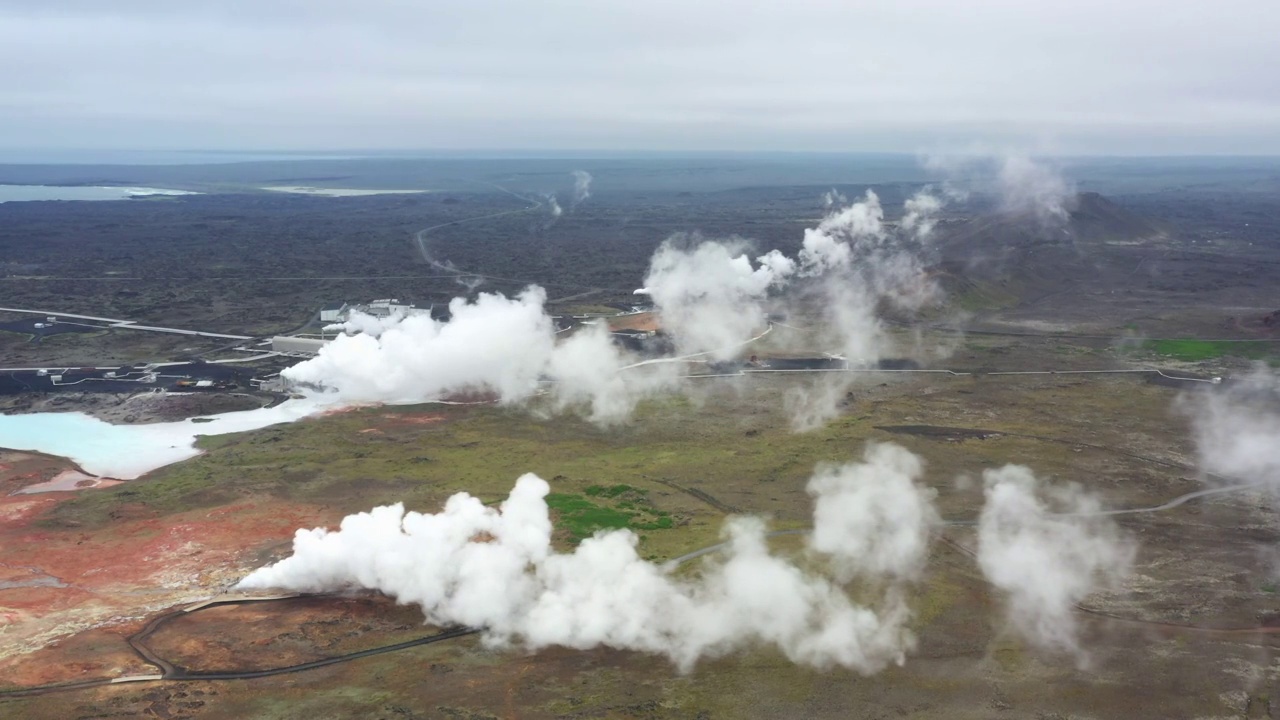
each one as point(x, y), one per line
point(730, 442)
point(1200, 350)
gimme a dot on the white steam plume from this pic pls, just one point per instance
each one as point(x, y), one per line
point(1030, 186)
point(709, 294)
point(554, 205)
point(1046, 562)
point(872, 517)
point(857, 254)
point(712, 299)
point(470, 282)
point(831, 245)
point(856, 263)
point(1237, 430)
point(581, 187)
point(495, 345)
point(1021, 184)
point(495, 569)
point(919, 217)
point(588, 370)
point(358, 322)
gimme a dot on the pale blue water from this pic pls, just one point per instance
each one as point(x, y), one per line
point(127, 451)
point(18, 193)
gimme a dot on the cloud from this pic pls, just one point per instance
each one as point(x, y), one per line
point(919, 217)
point(588, 369)
point(1030, 186)
point(832, 198)
point(874, 517)
point(493, 344)
point(1020, 183)
point(358, 322)
point(1045, 562)
point(712, 299)
point(857, 264)
point(581, 187)
point(709, 294)
point(1237, 429)
point(471, 75)
point(494, 568)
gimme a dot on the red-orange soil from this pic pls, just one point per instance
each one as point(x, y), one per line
point(62, 585)
point(262, 636)
point(646, 321)
point(20, 469)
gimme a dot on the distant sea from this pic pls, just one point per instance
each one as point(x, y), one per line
point(18, 193)
point(16, 156)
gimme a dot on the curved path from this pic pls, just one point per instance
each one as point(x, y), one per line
point(420, 239)
point(171, 672)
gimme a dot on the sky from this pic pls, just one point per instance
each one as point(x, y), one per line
point(1126, 77)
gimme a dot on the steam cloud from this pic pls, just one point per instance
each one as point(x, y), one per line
point(872, 518)
point(709, 294)
point(581, 187)
point(1022, 184)
point(712, 295)
point(1237, 430)
point(358, 322)
point(1046, 548)
point(495, 569)
point(1028, 186)
point(1046, 563)
point(494, 344)
point(712, 299)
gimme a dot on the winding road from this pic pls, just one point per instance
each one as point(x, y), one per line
point(420, 240)
point(124, 324)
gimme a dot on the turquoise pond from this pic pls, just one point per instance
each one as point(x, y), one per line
point(127, 451)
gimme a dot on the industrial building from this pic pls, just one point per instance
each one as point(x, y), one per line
point(388, 307)
point(334, 312)
point(298, 345)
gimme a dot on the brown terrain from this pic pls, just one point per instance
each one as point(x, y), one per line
point(60, 583)
point(1192, 634)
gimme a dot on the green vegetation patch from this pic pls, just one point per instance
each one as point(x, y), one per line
point(582, 517)
point(974, 295)
point(1197, 350)
point(590, 310)
point(611, 491)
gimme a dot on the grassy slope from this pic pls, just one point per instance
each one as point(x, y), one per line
point(1197, 350)
point(352, 461)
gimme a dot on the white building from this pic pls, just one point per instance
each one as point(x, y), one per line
point(334, 312)
point(387, 307)
point(300, 345)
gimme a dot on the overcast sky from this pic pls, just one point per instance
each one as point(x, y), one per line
point(1068, 76)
